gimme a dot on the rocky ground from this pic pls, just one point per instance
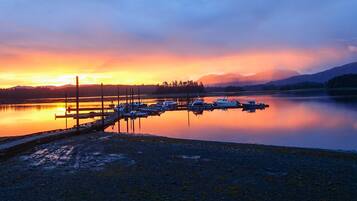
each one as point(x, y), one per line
point(104, 166)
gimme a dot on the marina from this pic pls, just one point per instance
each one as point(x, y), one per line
point(288, 121)
point(130, 109)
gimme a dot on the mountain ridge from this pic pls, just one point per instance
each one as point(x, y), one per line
point(238, 79)
point(320, 77)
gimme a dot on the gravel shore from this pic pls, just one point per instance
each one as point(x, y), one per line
point(107, 166)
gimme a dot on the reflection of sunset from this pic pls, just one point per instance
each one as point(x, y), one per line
point(293, 119)
point(31, 119)
point(281, 118)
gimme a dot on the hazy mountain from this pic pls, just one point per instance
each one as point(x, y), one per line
point(237, 79)
point(22, 87)
point(320, 77)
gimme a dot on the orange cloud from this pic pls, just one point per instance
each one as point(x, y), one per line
point(52, 68)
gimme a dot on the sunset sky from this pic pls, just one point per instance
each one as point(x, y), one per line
point(46, 42)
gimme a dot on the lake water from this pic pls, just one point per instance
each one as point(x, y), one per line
point(315, 121)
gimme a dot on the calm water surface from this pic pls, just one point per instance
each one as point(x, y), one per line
point(319, 122)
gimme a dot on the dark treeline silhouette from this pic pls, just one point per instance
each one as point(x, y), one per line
point(21, 93)
point(303, 85)
point(233, 89)
point(343, 86)
point(180, 87)
point(344, 81)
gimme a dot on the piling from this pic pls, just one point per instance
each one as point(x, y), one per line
point(102, 97)
point(77, 104)
point(65, 106)
point(139, 95)
point(118, 95)
point(126, 99)
point(132, 98)
point(127, 125)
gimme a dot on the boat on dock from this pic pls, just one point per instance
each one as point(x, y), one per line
point(138, 104)
point(198, 102)
point(225, 103)
point(119, 108)
point(253, 105)
point(151, 110)
point(169, 104)
point(135, 114)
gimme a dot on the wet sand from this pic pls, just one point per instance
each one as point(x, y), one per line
point(105, 166)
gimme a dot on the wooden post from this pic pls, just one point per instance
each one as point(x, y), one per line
point(102, 97)
point(77, 104)
point(132, 98)
point(65, 107)
point(133, 125)
point(118, 108)
point(127, 125)
point(139, 94)
point(118, 95)
point(126, 100)
point(187, 96)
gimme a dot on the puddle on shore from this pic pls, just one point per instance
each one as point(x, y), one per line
point(71, 158)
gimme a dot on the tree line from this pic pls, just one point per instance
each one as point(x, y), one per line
point(180, 87)
point(21, 93)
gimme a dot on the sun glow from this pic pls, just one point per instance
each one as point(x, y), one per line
point(38, 69)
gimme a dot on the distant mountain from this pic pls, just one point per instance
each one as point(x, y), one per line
point(232, 79)
point(22, 87)
point(220, 79)
point(320, 77)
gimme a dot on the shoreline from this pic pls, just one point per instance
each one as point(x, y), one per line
point(10, 139)
point(109, 166)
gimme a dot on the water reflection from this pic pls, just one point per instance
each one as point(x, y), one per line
point(304, 122)
point(319, 121)
point(23, 119)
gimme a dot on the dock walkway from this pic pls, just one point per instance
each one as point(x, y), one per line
point(11, 147)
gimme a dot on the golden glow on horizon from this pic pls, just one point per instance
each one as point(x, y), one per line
point(44, 68)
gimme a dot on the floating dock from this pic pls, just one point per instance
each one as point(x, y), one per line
point(11, 147)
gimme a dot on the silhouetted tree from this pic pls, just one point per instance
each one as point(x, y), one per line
point(180, 87)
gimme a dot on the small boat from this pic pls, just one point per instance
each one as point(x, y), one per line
point(138, 104)
point(224, 102)
point(199, 102)
point(120, 108)
point(253, 105)
point(169, 104)
point(138, 114)
point(151, 110)
point(135, 114)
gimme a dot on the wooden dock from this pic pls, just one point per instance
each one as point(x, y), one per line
point(11, 147)
point(84, 115)
point(69, 109)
